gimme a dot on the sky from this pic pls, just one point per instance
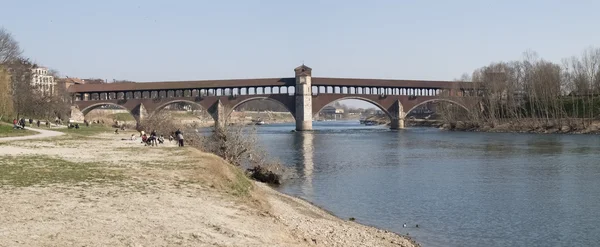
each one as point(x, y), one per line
point(149, 40)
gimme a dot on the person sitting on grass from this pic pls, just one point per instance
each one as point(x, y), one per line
point(144, 139)
point(161, 139)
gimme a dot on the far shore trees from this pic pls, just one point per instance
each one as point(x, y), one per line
point(535, 93)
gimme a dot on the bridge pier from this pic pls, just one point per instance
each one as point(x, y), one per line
point(397, 116)
point(76, 114)
point(304, 115)
point(217, 111)
point(139, 113)
point(397, 123)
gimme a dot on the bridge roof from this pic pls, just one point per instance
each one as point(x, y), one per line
point(264, 82)
point(172, 85)
point(325, 81)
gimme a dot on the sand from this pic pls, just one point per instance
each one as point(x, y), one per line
point(166, 196)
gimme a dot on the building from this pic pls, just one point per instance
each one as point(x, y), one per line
point(330, 110)
point(69, 81)
point(43, 80)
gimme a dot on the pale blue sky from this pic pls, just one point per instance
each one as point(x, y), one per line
point(184, 40)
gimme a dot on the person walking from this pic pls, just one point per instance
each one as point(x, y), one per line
point(180, 138)
point(38, 123)
point(30, 122)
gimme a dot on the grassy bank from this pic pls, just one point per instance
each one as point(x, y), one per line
point(8, 131)
point(92, 130)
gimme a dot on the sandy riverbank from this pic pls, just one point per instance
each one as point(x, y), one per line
point(102, 191)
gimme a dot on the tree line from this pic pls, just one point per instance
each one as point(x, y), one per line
point(532, 93)
point(19, 97)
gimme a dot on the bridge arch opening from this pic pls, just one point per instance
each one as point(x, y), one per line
point(107, 113)
point(257, 109)
point(438, 109)
point(354, 108)
point(185, 111)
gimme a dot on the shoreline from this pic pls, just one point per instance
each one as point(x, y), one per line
point(409, 238)
point(508, 128)
point(136, 198)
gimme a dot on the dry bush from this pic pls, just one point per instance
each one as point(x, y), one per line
point(160, 122)
point(235, 144)
point(239, 146)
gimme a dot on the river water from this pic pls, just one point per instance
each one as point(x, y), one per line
point(462, 189)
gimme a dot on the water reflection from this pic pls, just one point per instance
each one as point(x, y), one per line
point(307, 155)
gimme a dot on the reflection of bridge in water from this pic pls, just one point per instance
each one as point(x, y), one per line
point(307, 160)
point(301, 95)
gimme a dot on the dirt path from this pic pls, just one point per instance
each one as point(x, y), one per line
point(42, 133)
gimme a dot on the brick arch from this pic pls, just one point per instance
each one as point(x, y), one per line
point(163, 105)
point(273, 99)
point(92, 107)
point(437, 100)
point(386, 104)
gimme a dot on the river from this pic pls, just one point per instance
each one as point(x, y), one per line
point(462, 189)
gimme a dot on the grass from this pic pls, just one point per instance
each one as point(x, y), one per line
point(22, 171)
point(86, 131)
point(241, 185)
point(8, 131)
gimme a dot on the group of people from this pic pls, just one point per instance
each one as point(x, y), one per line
point(154, 139)
point(20, 124)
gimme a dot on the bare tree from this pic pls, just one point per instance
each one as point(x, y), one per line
point(6, 103)
point(9, 47)
point(23, 92)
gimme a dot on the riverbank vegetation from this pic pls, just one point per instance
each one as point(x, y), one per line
point(530, 95)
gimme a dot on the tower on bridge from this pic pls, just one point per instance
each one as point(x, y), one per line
point(303, 98)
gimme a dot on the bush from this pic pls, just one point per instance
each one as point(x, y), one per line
point(162, 123)
point(239, 146)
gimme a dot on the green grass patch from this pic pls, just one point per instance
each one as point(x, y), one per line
point(87, 131)
point(242, 185)
point(8, 131)
point(21, 171)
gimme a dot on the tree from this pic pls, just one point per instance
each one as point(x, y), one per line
point(9, 47)
point(6, 101)
point(23, 92)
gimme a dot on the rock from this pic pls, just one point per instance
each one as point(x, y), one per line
point(460, 125)
point(565, 128)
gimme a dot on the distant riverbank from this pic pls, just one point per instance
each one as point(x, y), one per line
point(525, 126)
